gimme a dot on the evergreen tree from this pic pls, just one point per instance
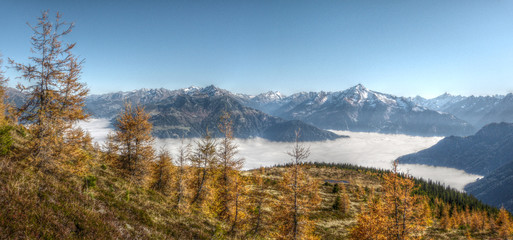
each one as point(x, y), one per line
point(336, 188)
point(342, 202)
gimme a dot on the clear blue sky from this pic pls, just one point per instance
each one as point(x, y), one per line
point(400, 47)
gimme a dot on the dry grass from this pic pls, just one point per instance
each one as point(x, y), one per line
point(43, 205)
point(37, 205)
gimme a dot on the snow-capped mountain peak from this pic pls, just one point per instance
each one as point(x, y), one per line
point(270, 96)
point(191, 89)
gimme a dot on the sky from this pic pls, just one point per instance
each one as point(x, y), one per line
point(405, 48)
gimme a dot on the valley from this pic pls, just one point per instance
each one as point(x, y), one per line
point(362, 149)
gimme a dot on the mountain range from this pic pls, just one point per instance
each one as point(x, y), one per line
point(489, 152)
point(353, 109)
point(477, 110)
point(191, 116)
point(191, 112)
point(482, 153)
point(361, 109)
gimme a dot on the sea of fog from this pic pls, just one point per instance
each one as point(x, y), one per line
point(364, 149)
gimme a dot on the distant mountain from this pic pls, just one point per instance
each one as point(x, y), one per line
point(110, 104)
point(355, 109)
point(189, 112)
point(495, 188)
point(360, 109)
point(15, 97)
point(483, 153)
point(477, 110)
point(501, 111)
point(474, 109)
point(439, 103)
point(190, 115)
point(267, 102)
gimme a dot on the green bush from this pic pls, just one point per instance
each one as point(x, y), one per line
point(5, 140)
point(336, 188)
point(90, 181)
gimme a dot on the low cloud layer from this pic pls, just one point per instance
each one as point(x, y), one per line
point(364, 149)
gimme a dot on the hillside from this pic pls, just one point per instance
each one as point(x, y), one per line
point(103, 205)
point(495, 188)
point(489, 149)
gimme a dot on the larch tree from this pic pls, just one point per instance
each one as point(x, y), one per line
point(446, 222)
point(239, 215)
point(401, 215)
point(162, 173)
point(133, 141)
point(402, 206)
point(6, 140)
point(300, 195)
point(503, 224)
point(3, 97)
point(372, 222)
point(204, 164)
point(259, 200)
point(229, 166)
point(182, 193)
point(55, 95)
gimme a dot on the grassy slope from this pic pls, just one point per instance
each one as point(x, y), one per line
point(56, 206)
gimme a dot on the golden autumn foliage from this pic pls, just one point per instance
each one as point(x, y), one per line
point(400, 215)
point(259, 200)
point(182, 192)
point(300, 195)
point(446, 222)
point(372, 222)
point(239, 207)
point(161, 176)
point(503, 224)
point(227, 175)
point(5, 135)
point(403, 207)
point(55, 95)
point(204, 162)
point(77, 151)
point(3, 104)
point(132, 141)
